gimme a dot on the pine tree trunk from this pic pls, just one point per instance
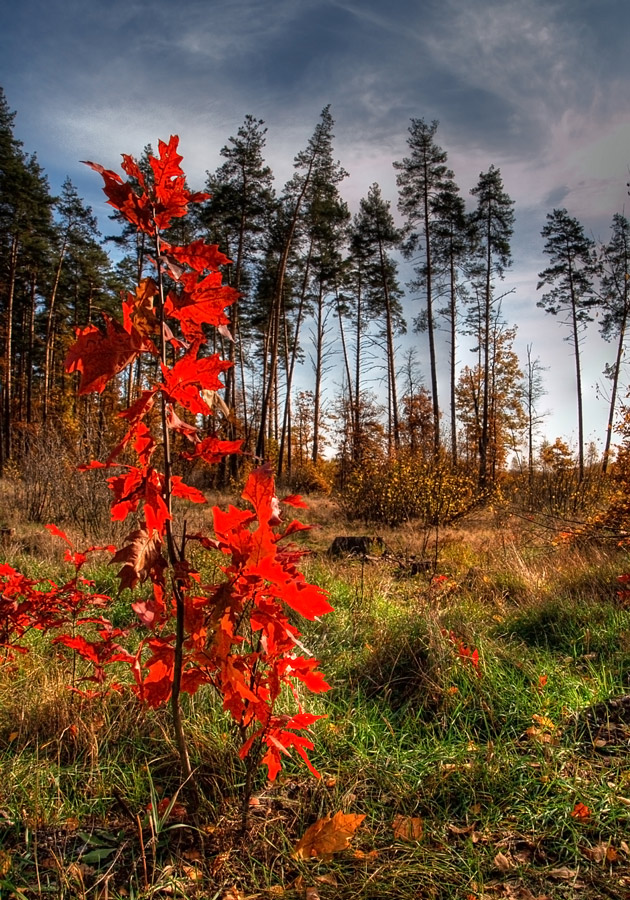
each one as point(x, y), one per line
point(48, 346)
point(615, 384)
point(8, 350)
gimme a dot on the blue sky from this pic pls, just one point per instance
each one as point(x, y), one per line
point(539, 88)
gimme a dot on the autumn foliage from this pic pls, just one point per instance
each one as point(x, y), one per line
point(234, 635)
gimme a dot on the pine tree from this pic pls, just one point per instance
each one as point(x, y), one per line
point(373, 236)
point(25, 219)
point(615, 298)
point(236, 218)
point(421, 177)
point(452, 247)
point(493, 222)
point(75, 227)
point(571, 294)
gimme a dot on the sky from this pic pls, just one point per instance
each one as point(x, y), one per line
point(538, 88)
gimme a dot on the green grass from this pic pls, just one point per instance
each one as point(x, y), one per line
point(493, 759)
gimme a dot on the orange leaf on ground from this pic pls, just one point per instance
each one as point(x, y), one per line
point(328, 836)
point(408, 828)
point(580, 812)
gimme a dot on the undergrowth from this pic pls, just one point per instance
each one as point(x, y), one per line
point(493, 752)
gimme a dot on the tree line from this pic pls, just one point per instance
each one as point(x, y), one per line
point(317, 287)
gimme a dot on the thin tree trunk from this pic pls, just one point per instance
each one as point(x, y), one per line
point(48, 346)
point(357, 450)
point(275, 314)
point(429, 282)
point(29, 356)
point(344, 349)
point(294, 350)
point(319, 356)
point(483, 443)
point(391, 366)
point(8, 348)
point(615, 384)
point(173, 555)
point(453, 361)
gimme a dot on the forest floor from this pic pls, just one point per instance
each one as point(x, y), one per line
point(473, 739)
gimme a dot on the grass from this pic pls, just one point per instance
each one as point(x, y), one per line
point(492, 758)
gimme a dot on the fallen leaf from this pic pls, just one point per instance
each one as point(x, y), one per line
point(361, 854)
point(580, 812)
point(312, 893)
point(563, 873)
point(193, 873)
point(544, 722)
point(520, 892)
point(328, 878)
point(232, 893)
point(461, 829)
point(595, 854)
point(328, 836)
point(503, 862)
point(538, 734)
point(408, 828)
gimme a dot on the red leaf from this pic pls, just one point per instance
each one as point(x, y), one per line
point(142, 558)
point(138, 310)
point(213, 450)
point(169, 184)
point(202, 301)
point(121, 196)
point(295, 500)
point(180, 489)
point(188, 376)
point(580, 812)
point(57, 532)
point(198, 255)
point(98, 357)
point(176, 424)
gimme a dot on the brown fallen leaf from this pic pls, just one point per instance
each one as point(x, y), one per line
point(312, 893)
point(232, 893)
point(503, 862)
point(328, 836)
point(563, 873)
point(595, 854)
point(192, 873)
point(361, 854)
point(408, 828)
point(520, 892)
point(461, 829)
point(328, 878)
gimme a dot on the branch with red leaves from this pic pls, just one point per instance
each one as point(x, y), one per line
point(234, 636)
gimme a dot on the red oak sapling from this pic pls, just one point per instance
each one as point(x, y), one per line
point(234, 635)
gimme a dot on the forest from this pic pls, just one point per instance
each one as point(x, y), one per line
point(202, 696)
point(320, 292)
